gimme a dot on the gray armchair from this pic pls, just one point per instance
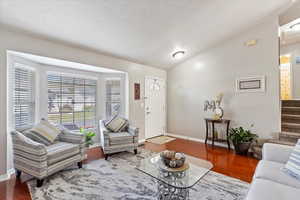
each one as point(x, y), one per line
point(42, 161)
point(117, 142)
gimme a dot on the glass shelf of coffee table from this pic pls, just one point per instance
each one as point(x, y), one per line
point(175, 184)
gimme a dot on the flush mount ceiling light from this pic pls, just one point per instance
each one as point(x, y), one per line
point(178, 54)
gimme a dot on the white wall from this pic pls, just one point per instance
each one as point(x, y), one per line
point(215, 70)
point(294, 51)
point(14, 41)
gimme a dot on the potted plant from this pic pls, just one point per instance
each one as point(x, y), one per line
point(88, 136)
point(241, 139)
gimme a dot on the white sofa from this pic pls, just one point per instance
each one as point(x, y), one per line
point(269, 182)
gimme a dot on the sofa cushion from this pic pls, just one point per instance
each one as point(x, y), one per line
point(120, 138)
point(262, 189)
point(272, 171)
point(43, 132)
point(60, 151)
point(292, 167)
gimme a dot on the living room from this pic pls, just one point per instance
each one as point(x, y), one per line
point(123, 85)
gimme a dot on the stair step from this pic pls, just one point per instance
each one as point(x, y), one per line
point(290, 134)
point(291, 110)
point(291, 103)
point(291, 124)
point(289, 137)
point(290, 127)
point(286, 118)
point(283, 142)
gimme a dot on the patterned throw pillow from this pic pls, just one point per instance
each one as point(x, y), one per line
point(43, 132)
point(117, 124)
point(292, 167)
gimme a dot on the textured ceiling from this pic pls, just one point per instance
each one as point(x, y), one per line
point(143, 31)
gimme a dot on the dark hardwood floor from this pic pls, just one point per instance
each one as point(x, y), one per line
point(225, 162)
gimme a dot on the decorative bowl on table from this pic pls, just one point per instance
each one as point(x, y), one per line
point(172, 159)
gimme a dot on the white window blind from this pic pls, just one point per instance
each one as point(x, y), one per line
point(23, 98)
point(113, 97)
point(72, 101)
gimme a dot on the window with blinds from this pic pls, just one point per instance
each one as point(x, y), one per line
point(23, 98)
point(72, 101)
point(113, 97)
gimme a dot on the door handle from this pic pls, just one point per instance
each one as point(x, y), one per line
point(148, 113)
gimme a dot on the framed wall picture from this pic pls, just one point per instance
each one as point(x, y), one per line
point(137, 91)
point(251, 84)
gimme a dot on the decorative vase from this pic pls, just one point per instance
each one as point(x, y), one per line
point(219, 112)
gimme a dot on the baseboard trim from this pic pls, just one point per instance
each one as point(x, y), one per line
point(11, 172)
point(196, 139)
point(5, 177)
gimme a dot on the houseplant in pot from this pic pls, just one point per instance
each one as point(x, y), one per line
point(241, 139)
point(88, 136)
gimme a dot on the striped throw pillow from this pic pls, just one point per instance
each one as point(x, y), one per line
point(292, 167)
point(43, 132)
point(117, 124)
point(106, 122)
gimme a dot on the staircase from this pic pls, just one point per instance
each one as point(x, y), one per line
point(290, 121)
point(290, 127)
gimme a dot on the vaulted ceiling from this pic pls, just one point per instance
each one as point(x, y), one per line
point(143, 31)
point(290, 33)
point(290, 25)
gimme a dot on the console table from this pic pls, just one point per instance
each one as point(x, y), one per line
point(209, 121)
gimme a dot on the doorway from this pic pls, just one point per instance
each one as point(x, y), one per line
point(285, 77)
point(290, 81)
point(155, 109)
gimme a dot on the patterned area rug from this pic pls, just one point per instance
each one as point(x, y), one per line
point(117, 179)
point(161, 139)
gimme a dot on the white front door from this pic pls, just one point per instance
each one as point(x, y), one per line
point(155, 115)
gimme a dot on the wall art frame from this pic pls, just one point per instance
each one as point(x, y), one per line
point(137, 91)
point(251, 84)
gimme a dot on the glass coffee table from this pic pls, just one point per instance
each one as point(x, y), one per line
point(174, 184)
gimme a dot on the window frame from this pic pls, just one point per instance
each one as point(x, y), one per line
point(32, 104)
point(61, 101)
point(121, 101)
point(40, 94)
point(124, 92)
